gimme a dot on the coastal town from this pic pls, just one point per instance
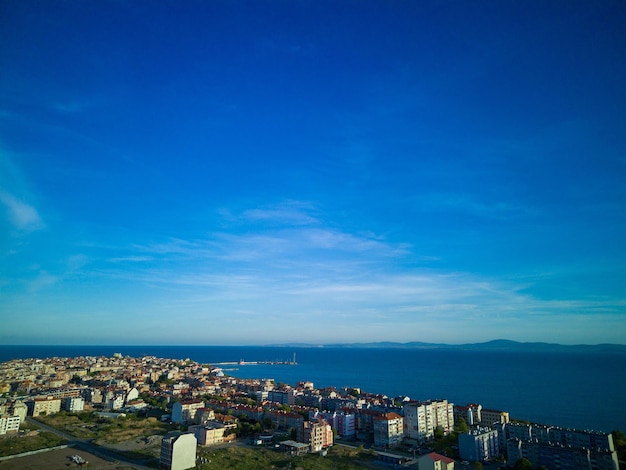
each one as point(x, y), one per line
point(195, 407)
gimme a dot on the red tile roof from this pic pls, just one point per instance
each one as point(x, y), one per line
point(438, 457)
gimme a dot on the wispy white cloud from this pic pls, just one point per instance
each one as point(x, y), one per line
point(130, 259)
point(22, 215)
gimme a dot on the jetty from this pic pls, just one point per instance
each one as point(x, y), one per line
point(243, 362)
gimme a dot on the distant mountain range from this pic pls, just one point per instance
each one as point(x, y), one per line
point(495, 345)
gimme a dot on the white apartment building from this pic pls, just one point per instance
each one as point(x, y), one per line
point(178, 451)
point(185, 411)
point(9, 424)
point(479, 445)
point(422, 418)
point(73, 404)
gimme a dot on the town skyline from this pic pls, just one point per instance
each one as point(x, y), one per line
point(230, 173)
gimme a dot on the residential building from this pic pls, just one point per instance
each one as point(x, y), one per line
point(479, 444)
point(388, 430)
point(435, 461)
point(115, 401)
point(364, 425)
point(185, 411)
point(556, 447)
point(285, 419)
point(422, 418)
point(558, 456)
point(9, 424)
point(73, 404)
point(284, 397)
point(211, 433)
point(132, 395)
point(344, 422)
point(203, 415)
point(470, 413)
point(491, 417)
point(178, 451)
point(20, 409)
point(317, 433)
point(40, 406)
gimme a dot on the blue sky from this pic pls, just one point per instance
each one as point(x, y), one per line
point(226, 172)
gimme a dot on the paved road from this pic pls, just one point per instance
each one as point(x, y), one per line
point(88, 446)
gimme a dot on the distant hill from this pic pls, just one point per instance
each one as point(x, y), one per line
point(495, 345)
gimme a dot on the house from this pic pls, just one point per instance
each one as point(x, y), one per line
point(435, 461)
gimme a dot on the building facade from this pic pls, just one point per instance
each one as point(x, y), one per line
point(185, 411)
point(422, 418)
point(558, 448)
point(178, 451)
point(317, 433)
point(479, 444)
point(41, 406)
point(388, 430)
point(73, 404)
point(434, 461)
point(9, 424)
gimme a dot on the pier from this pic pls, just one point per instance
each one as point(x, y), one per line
point(242, 362)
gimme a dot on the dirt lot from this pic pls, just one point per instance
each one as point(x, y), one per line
point(57, 460)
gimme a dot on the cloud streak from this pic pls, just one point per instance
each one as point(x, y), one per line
point(22, 215)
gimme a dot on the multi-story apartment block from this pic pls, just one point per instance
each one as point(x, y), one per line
point(422, 418)
point(41, 406)
point(115, 401)
point(555, 447)
point(479, 445)
point(19, 409)
point(469, 413)
point(388, 430)
point(203, 415)
point(73, 404)
point(9, 424)
point(185, 411)
point(558, 456)
point(284, 397)
point(344, 421)
point(178, 451)
point(211, 433)
point(317, 434)
point(491, 417)
point(285, 420)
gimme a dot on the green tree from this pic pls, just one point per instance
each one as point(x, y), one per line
point(439, 433)
point(619, 441)
point(523, 464)
point(461, 427)
point(478, 466)
point(76, 379)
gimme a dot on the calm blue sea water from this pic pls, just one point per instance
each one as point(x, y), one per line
point(581, 390)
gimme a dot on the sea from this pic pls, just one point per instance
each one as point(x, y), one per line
point(581, 390)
